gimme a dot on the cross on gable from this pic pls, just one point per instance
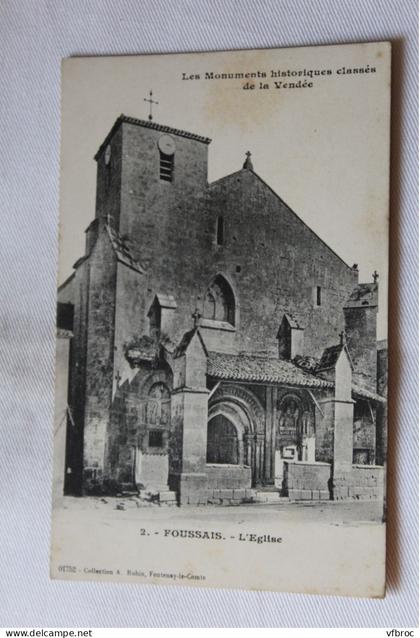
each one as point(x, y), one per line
point(151, 102)
point(248, 163)
point(196, 316)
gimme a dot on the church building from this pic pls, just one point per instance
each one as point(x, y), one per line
point(218, 351)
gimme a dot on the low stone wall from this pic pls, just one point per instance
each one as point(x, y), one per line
point(229, 484)
point(221, 476)
point(217, 485)
point(366, 482)
point(306, 481)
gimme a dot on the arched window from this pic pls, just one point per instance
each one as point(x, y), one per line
point(219, 302)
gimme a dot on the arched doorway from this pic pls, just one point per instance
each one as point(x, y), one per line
point(241, 408)
point(222, 441)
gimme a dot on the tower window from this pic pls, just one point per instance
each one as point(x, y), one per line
point(318, 295)
point(166, 171)
point(220, 231)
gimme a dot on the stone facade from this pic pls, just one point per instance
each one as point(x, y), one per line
point(205, 360)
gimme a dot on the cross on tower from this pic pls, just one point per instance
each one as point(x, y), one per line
point(375, 276)
point(118, 378)
point(341, 335)
point(196, 316)
point(151, 102)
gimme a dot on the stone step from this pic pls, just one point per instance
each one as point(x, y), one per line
point(167, 497)
point(270, 497)
point(158, 495)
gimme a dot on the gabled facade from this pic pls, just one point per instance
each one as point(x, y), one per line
point(205, 356)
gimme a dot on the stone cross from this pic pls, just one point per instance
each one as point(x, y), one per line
point(196, 316)
point(151, 102)
point(248, 163)
point(375, 276)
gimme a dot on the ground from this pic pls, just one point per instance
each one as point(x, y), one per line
point(328, 512)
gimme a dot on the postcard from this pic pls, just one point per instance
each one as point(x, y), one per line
point(221, 361)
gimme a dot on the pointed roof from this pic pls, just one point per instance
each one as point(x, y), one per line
point(331, 355)
point(186, 340)
point(164, 301)
point(123, 250)
point(214, 185)
point(293, 321)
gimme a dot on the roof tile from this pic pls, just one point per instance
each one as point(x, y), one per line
point(262, 369)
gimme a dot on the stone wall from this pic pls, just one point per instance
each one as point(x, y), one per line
point(217, 485)
point(129, 309)
point(312, 481)
point(228, 476)
point(307, 481)
point(152, 471)
point(289, 261)
point(108, 182)
point(99, 347)
point(367, 482)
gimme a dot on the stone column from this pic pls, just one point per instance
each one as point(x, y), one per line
point(191, 413)
point(334, 432)
point(270, 434)
point(343, 448)
point(259, 458)
point(248, 450)
point(189, 420)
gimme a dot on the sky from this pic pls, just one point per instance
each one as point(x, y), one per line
point(323, 148)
